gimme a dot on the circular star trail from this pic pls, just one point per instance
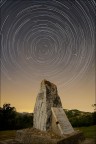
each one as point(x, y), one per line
point(52, 39)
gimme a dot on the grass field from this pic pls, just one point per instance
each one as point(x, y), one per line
point(89, 132)
point(10, 134)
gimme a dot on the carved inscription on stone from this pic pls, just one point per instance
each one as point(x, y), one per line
point(62, 121)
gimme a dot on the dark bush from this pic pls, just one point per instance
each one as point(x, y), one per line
point(10, 119)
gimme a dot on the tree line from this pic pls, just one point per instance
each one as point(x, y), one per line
point(79, 118)
point(10, 119)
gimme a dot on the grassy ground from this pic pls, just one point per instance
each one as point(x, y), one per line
point(10, 134)
point(89, 132)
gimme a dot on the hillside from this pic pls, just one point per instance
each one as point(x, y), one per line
point(80, 118)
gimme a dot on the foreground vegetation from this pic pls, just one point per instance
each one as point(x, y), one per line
point(89, 132)
point(80, 118)
point(4, 135)
point(12, 120)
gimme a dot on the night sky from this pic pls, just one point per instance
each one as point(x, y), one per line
point(48, 39)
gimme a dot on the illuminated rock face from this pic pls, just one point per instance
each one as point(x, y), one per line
point(49, 114)
point(60, 123)
point(47, 98)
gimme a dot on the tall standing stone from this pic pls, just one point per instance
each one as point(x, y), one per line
point(47, 98)
point(48, 112)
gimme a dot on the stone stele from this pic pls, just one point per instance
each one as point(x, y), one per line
point(49, 115)
point(48, 97)
point(60, 122)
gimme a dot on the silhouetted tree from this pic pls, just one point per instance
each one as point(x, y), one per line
point(94, 118)
point(10, 119)
point(79, 119)
point(7, 117)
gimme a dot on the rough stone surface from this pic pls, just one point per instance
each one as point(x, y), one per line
point(48, 117)
point(20, 135)
point(60, 122)
point(34, 136)
point(76, 138)
point(47, 98)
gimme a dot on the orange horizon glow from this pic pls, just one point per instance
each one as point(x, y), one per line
point(23, 96)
